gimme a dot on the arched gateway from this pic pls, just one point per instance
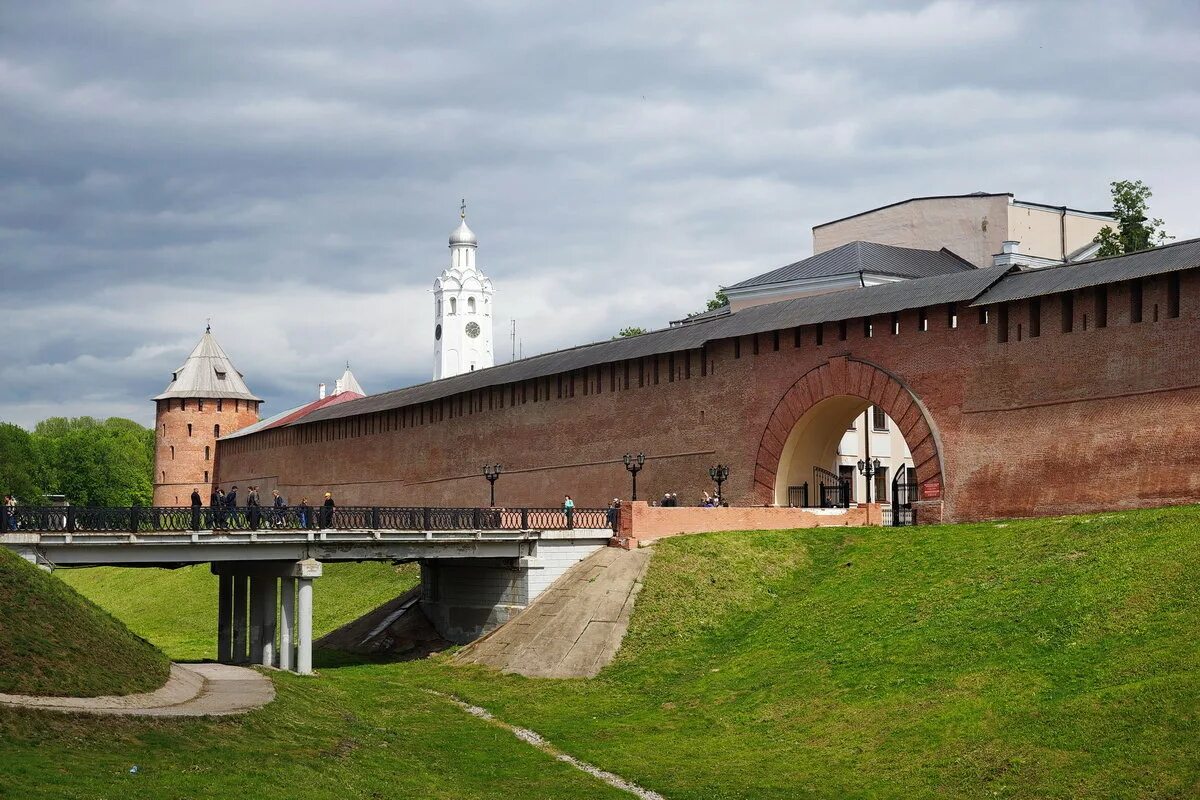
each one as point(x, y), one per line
point(808, 422)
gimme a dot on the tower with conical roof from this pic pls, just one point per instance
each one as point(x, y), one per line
point(462, 309)
point(206, 399)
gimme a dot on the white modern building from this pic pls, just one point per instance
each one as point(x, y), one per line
point(462, 309)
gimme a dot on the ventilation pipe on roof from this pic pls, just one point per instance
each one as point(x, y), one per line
point(320, 391)
point(1010, 247)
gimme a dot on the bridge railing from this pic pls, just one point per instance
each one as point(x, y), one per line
point(153, 519)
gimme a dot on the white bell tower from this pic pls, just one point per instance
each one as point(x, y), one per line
point(462, 309)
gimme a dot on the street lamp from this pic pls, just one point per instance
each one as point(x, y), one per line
point(719, 474)
point(492, 472)
point(634, 465)
point(868, 469)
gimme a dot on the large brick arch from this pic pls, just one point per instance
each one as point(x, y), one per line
point(846, 376)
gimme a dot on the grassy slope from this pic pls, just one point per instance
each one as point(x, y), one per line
point(1046, 658)
point(177, 609)
point(54, 641)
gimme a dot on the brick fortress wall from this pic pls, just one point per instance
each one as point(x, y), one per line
point(185, 444)
point(1015, 425)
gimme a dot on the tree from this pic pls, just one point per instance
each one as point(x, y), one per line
point(19, 467)
point(109, 463)
point(718, 300)
point(632, 330)
point(1134, 230)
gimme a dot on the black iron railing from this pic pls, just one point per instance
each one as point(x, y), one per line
point(903, 494)
point(144, 519)
point(833, 491)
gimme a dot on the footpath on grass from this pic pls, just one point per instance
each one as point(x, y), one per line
point(192, 690)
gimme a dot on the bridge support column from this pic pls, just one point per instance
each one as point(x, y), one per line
point(287, 623)
point(224, 619)
point(304, 607)
point(268, 601)
point(257, 617)
point(240, 596)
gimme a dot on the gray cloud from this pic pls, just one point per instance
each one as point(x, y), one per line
point(291, 169)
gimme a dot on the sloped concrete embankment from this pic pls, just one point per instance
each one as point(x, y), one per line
point(575, 627)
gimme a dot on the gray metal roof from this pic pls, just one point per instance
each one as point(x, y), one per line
point(207, 373)
point(870, 301)
point(855, 257)
point(1082, 274)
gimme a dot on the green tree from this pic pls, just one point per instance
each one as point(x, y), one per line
point(19, 466)
point(1134, 231)
point(718, 300)
point(632, 330)
point(95, 463)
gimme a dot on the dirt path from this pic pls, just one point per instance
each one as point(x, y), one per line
point(192, 690)
point(575, 628)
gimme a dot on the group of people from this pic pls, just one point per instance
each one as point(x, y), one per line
point(225, 512)
point(671, 500)
point(10, 513)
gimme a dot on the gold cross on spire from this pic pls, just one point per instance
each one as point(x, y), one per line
point(462, 210)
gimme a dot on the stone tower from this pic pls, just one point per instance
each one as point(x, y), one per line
point(205, 400)
point(462, 309)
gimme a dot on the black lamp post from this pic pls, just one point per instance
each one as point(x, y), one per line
point(634, 465)
point(492, 472)
point(719, 474)
point(868, 469)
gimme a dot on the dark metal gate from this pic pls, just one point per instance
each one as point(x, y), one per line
point(903, 494)
point(833, 491)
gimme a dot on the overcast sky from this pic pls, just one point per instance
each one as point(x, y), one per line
point(292, 169)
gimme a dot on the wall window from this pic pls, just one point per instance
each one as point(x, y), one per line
point(820, 335)
point(1173, 295)
point(879, 419)
point(868, 328)
point(206, 453)
point(983, 316)
point(895, 324)
point(796, 336)
point(1035, 317)
point(1101, 307)
point(216, 431)
point(189, 429)
point(206, 476)
point(172, 452)
point(200, 405)
point(922, 320)
point(952, 316)
point(237, 405)
point(1135, 301)
point(470, 305)
point(220, 403)
point(453, 305)
point(737, 352)
point(774, 340)
point(754, 344)
point(1002, 323)
point(1068, 313)
point(842, 333)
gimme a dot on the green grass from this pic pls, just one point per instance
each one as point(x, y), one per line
point(54, 641)
point(1051, 658)
point(177, 609)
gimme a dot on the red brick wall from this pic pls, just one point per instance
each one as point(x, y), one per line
point(642, 522)
point(1088, 420)
point(180, 460)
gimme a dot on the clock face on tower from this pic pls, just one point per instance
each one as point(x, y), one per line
point(437, 332)
point(472, 329)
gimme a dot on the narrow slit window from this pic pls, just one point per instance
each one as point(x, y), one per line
point(820, 335)
point(983, 316)
point(868, 328)
point(842, 332)
point(923, 320)
point(952, 316)
point(754, 344)
point(895, 324)
point(737, 347)
point(1002, 323)
point(775, 340)
point(1135, 301)
point(1068, 313)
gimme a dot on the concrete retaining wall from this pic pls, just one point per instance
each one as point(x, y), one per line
point(641, 521)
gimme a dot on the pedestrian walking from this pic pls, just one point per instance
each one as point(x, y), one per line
point(10, 513)
point(253, 508)
point(197, 504)
point(278, 505)
point(569, 511)
point(614, 514)
point(305, 513)
point(231, 512)
point(218, 508)
point(327, 511)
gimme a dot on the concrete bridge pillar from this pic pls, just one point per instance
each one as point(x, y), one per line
point(277, 597)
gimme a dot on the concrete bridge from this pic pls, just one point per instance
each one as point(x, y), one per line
point(479, 566)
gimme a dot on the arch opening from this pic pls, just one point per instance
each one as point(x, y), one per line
point(824, 447)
